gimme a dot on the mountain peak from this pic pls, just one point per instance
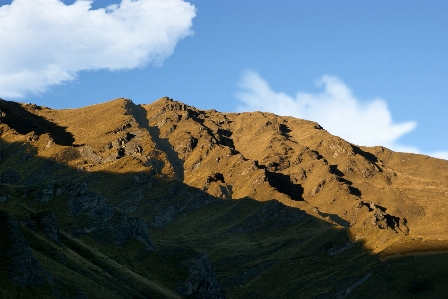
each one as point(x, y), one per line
point(119, 171)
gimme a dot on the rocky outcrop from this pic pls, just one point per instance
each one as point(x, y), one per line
point(44, 193)
point(383, 220)
point(84, 201)
point(105, 222)
point(123, 227)
point(23, 268)
point(45, 222)
point(87, 153)
point(236, 186)
point(202, 282)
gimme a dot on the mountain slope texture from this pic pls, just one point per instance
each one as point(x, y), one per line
point(164, 200)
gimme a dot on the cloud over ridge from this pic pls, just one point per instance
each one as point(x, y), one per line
point(46, 42)
point(335, 108)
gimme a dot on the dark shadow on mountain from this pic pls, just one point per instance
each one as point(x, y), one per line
point(345, 181)
point(283, 184)
point(224, 139)
point(334, 170)
point(224, 132)
point(25, 122)
point(318, 156)
point(162, 144)
point(368, 156)
point(284, 131)
point(224, 135)
point(239, 242)
point(353, 190)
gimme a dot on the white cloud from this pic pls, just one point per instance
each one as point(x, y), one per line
point(335, 108)
point(45, 42)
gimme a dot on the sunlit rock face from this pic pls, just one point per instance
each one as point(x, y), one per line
point(165, 200)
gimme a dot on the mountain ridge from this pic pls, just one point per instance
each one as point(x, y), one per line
point(131, 172)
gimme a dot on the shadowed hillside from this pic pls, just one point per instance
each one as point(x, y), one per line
point(164, 200)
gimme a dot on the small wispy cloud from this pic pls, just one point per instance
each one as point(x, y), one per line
point(366, 123)
point(48, 42)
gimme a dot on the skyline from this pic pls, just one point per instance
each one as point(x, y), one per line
point(369, 66)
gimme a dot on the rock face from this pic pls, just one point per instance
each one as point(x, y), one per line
point(202, 282)
point(105, 219)
point(117, 200)
point(84, 201)
point(298, 163)
point(23, 268)
point(47, 223)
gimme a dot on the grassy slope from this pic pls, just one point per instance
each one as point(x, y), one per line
point(266, 262)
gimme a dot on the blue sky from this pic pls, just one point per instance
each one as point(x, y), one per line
point(372, 72)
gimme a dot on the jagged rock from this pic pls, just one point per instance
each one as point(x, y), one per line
point(124, 227)
point(32, 138)
point(122, 128)
point(318, 187)
point(82, 200)
point(138, 149)
point(46, 193)
point(187, 145)
point(386, 221)
point(166, 217)
point(67, 155)
point(340, 147)
point(379, 219)
point(88, 153)
point(46, 222)
point(131, 200)
point(50, 142)
point(252, 242)
point(215, 177)
point(23, 268)
point(202, 283)
point(155, 165)
point(403, 226)
point(106, 219)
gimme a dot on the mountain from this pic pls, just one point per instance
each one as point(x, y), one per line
point(119, 200)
